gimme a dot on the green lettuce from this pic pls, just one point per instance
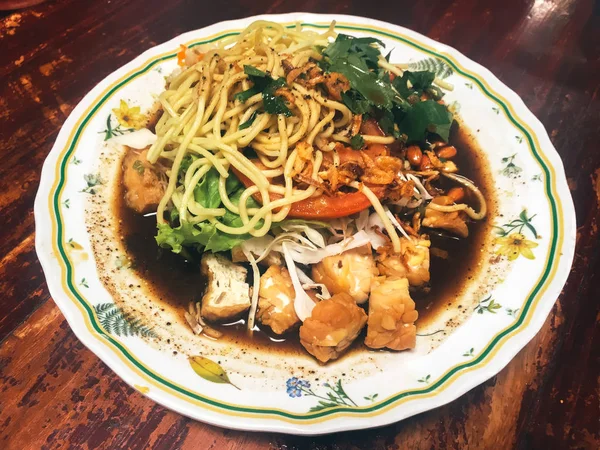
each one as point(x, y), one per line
point(205, 235)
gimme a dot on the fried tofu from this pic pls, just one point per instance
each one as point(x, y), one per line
point(227, 294)
point(392, 316)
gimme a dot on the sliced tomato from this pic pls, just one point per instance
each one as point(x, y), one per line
point(341, 204)
point(324, 206)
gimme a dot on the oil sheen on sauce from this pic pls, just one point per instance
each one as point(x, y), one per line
point(176, 282)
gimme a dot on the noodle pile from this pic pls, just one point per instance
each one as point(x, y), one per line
point(201, 117)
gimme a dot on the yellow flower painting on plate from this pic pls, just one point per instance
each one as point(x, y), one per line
point(129, 117)
point(514, 245)
point(512, 242)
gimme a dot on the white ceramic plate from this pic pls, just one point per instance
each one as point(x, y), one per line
point(235, 388)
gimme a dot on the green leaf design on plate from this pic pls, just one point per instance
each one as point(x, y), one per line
point(440, 68)
point(469, 353)
point(115, 321)
point(425, 379)
point(92, 180)
point(488, 304)
point(512, 312)
point(210, 370)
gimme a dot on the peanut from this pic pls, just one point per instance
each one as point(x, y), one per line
point(447, 152)
point(425, 163)
point(414, 155)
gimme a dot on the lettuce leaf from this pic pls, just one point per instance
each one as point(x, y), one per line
point(205, 235)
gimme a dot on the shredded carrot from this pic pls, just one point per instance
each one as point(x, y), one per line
point(181, 55)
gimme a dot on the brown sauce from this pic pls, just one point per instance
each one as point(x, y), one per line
point(176, 282)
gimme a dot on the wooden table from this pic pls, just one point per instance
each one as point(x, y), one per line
point(54, 393)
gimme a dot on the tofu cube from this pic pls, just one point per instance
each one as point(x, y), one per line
point(227, 294)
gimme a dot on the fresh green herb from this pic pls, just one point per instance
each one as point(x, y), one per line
point(356, 102)
point(274, 104)
point(248, 122)
point(413, 83)
point(254, 72)
point(138, 166)
point(396, 105)
point(357, 142)
point(263, 83)
point(387, 123)
point(424, 117)
point(345, 45)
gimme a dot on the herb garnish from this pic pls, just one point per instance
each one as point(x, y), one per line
point(266, 85)
point(396, 104)
point(248, 122)
point(357, 142)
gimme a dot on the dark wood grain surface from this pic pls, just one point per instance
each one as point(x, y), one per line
point(54, 393)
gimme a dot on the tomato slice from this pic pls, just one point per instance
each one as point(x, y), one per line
point(324, 206)
point(341, 204)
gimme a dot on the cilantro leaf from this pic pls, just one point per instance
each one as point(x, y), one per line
point(274, 104)
point(364, 81)
point(423, 117)
point(263, 83)
point(248, 122)
point(357, 142)
point(396, 104)
point(362, 47)
point(419, 81)
point(356, 102)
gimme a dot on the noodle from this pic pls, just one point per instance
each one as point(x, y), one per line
point(198, 106)
point(202, 117)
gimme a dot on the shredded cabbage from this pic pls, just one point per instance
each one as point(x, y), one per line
point(303, 304)
point(305, 255)
point(396, 223)
point(138, 139)
point(255, 290)
point(308, 283)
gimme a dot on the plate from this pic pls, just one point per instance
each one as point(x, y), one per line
point(527, 256)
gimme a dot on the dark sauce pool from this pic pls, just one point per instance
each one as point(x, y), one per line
point(175, 282)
